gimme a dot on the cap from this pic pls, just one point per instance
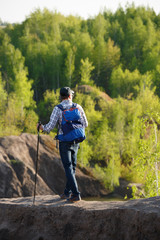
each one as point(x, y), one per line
point(66, 92)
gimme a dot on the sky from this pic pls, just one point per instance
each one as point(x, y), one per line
point(16, 11)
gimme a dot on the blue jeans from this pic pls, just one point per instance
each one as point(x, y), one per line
point(68, 153)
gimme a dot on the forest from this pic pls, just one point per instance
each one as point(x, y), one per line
point(116, 54)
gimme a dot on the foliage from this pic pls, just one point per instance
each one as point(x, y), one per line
point(124, 82)
point(17, 95)
point(146, 163)
point(55, 45)
point(114, 53)
point(85, 70)
point(45, 107)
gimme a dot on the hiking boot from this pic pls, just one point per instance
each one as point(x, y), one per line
point(74, 198)
point(64, 196)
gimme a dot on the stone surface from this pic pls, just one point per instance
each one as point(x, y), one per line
point(51, 218)
point(17, 168)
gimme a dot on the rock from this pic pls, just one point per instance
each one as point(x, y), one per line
point(52, 218)
point(17, 169)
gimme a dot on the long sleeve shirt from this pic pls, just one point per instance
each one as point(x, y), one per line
point(56, 116)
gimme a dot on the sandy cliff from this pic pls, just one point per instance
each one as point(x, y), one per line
point(17, 169)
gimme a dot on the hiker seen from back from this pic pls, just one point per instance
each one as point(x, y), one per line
point(72, 121)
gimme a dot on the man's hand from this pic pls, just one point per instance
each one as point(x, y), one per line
point(39, 126)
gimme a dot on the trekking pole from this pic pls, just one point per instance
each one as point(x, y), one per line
point(36, 162)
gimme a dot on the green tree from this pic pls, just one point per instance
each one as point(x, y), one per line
point(3, 104)
point(99, 31)
point(84, 49)
point(69, 64)
point(116, 32)
point(3, 95)
point(156, 79)
point(85, 71)
point(112, 61)
point(17, 85)
point(45, 106)
point(124, 83)
point(146, 163)
point(15, 73)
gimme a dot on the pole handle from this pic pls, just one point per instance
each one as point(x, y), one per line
point(38, 126)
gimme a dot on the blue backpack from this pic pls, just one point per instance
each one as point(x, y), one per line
point(72, 125)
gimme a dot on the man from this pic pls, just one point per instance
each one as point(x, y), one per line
point(68, 150)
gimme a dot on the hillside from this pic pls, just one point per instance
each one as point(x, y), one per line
point(17, 169)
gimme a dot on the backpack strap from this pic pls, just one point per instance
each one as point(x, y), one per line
point(60, 107)
point(74, 105)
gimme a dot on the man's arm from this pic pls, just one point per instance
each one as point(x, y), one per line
point(53, 120)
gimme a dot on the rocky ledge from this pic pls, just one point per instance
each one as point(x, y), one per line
point(52, 218)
